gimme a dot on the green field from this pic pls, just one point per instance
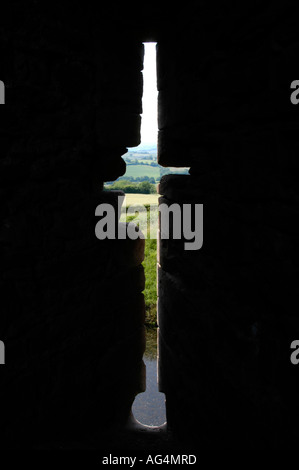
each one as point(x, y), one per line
point(142, 170)
point(150, 254)
point(150, 291)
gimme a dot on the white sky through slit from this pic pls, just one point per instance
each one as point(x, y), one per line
point(149, 126)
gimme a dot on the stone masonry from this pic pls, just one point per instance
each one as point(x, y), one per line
point(72, 308)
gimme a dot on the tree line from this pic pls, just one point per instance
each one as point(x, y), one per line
point(144, 187)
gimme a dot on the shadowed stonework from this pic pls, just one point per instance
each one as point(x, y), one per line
point(72, 308)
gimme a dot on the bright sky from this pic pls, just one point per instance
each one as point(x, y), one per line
point(149, 127)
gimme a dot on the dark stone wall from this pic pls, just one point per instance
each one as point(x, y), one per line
point(72, 307)
point(227, 313)
point(72, 310)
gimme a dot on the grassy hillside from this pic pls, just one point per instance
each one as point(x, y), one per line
point(142, 170)
point(150, 291)
point(135, 169)
point(150, 256)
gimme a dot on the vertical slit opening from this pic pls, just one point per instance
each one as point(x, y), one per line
point(149, 406)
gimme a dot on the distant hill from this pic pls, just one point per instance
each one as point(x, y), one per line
point(141, 165)
point(147, 147)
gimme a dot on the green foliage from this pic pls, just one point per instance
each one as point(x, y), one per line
point(150, 291)
point(145, 187)
point(137, 179)
point(150, 270)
